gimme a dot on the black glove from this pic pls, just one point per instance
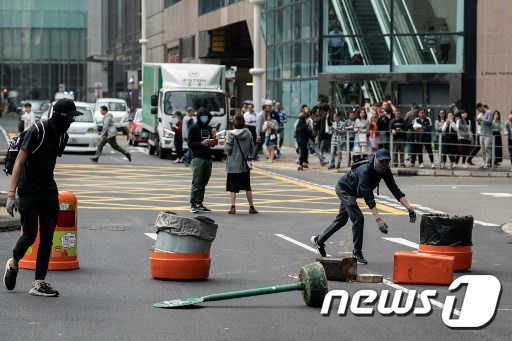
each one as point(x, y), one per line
point(412, 215)
point(383, 227)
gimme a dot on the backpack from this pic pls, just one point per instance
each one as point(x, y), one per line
point(15, 145)
point(361, 162)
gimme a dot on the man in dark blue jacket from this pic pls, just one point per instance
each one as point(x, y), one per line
point(360, 183)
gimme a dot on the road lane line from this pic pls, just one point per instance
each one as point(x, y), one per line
point(431, 210)
point(403, 242)
point(151, 235)
point(7, 139)
point(307, 247)
point(320, 188)
point(385, 281)
point(484, 223)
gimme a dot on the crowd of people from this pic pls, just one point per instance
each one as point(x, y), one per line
point(455, 136)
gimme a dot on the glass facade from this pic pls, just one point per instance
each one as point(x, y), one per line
point(43, 46)
point(382, 36)
point(292, 33)
point(206, 6)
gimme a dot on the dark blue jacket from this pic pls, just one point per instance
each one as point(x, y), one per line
point(361, 182)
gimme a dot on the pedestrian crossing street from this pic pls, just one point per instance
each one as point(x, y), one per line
point(157, 188)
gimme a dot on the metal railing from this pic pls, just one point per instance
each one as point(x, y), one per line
point(442, 151)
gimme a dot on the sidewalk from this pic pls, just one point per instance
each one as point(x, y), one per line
point(289, 159)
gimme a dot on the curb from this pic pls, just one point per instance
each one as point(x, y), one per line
point(507, 228)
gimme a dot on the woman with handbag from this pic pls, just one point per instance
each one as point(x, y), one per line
point(270, 128)
point(239, 147)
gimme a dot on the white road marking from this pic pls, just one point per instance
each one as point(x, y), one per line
point(403, 242)
point(427, 210)
point(385, 281)
point(498, 195)
point(307, 247)
point(151, 235)
point(7, 139)
point(484, 224)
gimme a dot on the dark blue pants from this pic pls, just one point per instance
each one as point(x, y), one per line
point(348, 209)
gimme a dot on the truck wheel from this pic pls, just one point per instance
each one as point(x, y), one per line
point(151, 149)
point(125, 131)
point(218, 155)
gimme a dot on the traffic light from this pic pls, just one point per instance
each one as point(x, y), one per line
point(5, 91)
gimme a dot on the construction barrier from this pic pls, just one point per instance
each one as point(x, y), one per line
point(422, 268)
point(64, 255)
point(463, 255)
point(182, 248)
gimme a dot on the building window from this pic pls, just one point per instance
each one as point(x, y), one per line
point(206, 6)
point(173, 55)
point(393, 35)
point(168, 3)
point(188, 48)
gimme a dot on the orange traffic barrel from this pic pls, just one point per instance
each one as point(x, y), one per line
point(463, 254)
point(182, 248)
point(65, 241)
point(186, 266)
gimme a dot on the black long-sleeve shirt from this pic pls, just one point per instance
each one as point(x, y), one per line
point(197, 134)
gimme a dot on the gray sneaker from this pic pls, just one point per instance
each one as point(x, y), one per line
point(43, 289)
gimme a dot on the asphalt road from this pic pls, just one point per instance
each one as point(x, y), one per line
point(111, 295)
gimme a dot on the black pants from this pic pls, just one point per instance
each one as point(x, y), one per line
point(30, 211)
point(419, 152)
point(348, 209)
point(303, 154)
point(178, 144)
point(463, 149)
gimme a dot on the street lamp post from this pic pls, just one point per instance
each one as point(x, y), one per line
point(257, 72)
point(143, 41)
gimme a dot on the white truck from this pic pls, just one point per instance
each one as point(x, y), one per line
point(168, 88)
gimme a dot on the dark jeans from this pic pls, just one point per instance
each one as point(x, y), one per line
point(201, 172)
point(187, 158)
point(257, 148)
point(348, 209)
point(31, 211)
point(112, 142)
point(419, 152)
point(303, 154)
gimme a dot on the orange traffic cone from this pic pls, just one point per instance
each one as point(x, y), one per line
point(65, 241)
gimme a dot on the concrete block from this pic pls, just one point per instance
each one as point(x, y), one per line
point(444, 172)
point(369, 278)
point(480, 174)
point(426, 172)
point(462, 173)
point(499, 174)
point(339, 269)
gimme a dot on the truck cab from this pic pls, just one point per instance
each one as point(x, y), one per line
point(168, 88)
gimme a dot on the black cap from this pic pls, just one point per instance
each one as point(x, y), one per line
point(66, 106)
point(382, 154)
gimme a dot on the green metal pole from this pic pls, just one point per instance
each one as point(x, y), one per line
point(254, 292)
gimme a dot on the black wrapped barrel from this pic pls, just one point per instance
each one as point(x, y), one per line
point(446, 230)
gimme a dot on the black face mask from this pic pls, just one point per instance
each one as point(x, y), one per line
point(379, 166)
point(61, 122)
